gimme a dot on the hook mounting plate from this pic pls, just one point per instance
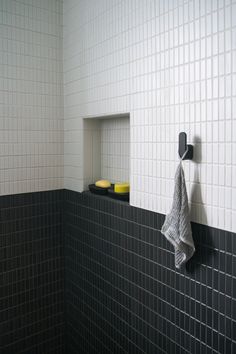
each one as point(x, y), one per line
point(183, 147)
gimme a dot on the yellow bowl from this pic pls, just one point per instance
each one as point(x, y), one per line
point(121, 188)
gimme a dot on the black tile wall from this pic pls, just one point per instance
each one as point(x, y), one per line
point(123, 293)
point(32, 274)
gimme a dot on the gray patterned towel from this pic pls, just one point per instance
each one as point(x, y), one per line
point(177, 227)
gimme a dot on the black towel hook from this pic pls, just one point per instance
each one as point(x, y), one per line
point(185, 151)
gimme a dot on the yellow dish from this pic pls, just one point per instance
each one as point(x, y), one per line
point(121, 188)
point(103, 183)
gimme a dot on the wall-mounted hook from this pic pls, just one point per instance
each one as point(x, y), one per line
point(183, 147)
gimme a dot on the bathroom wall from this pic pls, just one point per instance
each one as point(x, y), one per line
point(171, 64)
point(31, 160)
point(124, 294)
point(32, 273)
point(31, 96)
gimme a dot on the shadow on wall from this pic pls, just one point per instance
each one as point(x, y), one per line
point(196, 192)
point(196, 196)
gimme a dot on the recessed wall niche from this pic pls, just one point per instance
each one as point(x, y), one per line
point(106, 149)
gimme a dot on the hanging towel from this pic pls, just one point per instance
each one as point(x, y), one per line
point(177, 227)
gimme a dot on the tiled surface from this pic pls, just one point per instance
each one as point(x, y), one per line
point(171, 64)
point(115, 149)
point(124, 294)
point(31, 274)
point(106, 150)
point(31, 103)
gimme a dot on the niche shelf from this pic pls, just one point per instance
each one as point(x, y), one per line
point(106, 150)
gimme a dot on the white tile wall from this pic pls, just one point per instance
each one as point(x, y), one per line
point(31, 101)
point(172, 65)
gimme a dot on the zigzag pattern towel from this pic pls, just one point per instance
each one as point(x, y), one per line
point(177, 227)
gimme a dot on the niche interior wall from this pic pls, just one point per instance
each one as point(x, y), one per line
point(106, 149)
point(171, 64)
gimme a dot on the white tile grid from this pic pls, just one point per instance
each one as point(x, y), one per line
point(115, 149)
point(31, 110)
point(171, 64)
